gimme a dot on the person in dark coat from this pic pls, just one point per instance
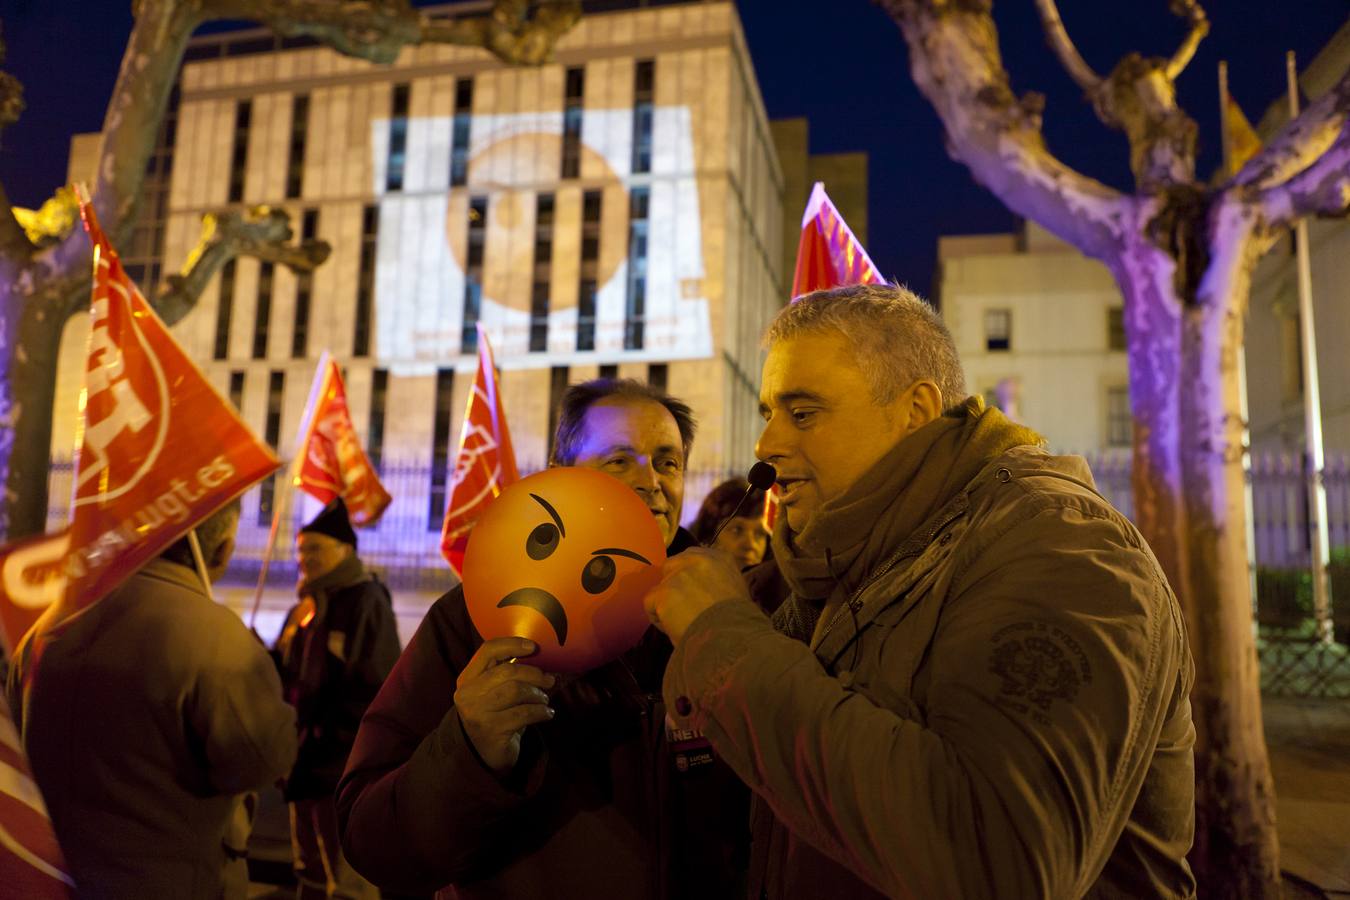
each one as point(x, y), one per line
point(150, 715)
point(474, 769)
point(336, 648)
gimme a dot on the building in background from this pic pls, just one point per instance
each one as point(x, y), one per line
point(619, 211)
point(1039, 330)
point(1275, 373)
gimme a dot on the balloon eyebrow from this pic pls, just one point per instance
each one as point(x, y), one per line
point(552, 512)
point(619, 551)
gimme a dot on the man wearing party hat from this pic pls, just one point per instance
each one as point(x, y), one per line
point(336, 648)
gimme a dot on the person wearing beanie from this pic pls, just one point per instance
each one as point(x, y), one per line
point(336, 648)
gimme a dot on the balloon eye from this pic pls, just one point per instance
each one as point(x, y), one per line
point(598, 575)
point(542, 541)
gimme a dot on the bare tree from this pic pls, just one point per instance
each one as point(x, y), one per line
point(45, 268)
point(1182, 253)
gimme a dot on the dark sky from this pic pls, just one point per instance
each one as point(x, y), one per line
point(841, 63)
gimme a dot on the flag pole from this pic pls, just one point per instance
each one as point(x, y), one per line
point(1312, 408)
point(201, 563)
point(279, 503)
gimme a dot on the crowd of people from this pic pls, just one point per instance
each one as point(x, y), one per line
point(953, 669)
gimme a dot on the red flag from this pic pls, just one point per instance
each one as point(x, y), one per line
point(485, 463)
point(31, 579)
point(330, 461)
point(828, 255)
point(31, 864)
point(159, 448)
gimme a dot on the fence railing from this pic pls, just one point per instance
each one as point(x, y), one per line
point(406, 543)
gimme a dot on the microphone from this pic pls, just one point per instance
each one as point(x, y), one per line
point(762, 476)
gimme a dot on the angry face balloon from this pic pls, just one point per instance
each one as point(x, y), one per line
point(564, 558)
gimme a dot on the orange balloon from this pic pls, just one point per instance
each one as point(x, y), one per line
point(564, 558)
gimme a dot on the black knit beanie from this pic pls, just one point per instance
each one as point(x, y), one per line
point(333, 522)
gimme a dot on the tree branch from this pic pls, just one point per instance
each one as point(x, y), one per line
point(1300, 143)
point(262, 232)
point(955, 61)
point(1058, 38)
point(1323, 188)
point(1187, 9)
point(377, 30)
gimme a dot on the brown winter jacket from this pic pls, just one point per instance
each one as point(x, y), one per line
point(1000, 710)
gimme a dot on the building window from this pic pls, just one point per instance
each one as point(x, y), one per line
point(590, 264)
point(276, 385)
point(379, 394)
point(657, 376)
point(1119, 423)
point(304, 289)
point(609, 370)
point(237, 389)
point(473, 275)
point(459, 146)
point(998, 329)
point(295, 165)
point(398, 139)
point(543, 272)
point(365, 282)
point(572, 110)
point(239, 156)
point(263, 322)
point(557, 386)
point(635, 309)
point(643, 95)
point(1115, 328)
point(440, 448)
point(224, 311)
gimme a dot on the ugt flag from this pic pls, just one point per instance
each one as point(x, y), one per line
point(158, 449)
point(485, 463)
point(330, 460)
point(828, 255)
point(31, 864)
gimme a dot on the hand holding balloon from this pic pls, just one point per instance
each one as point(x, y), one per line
point(497, 698)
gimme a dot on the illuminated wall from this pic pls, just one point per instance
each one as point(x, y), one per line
point(266, 122)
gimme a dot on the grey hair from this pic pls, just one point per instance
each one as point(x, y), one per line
point(895, 336)
point(212, 531)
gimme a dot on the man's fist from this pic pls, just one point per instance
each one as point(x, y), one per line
point(497, 697)
point(690, 583)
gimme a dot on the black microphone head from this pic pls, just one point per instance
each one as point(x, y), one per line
point(762, 475)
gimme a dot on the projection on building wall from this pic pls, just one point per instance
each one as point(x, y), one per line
point(619, 274)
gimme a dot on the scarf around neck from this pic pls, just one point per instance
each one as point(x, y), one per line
point(348, 572)
point(851, 534)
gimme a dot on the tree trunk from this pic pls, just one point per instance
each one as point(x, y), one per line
point(1184, 339)
point(1236, 851)
point(30, 341)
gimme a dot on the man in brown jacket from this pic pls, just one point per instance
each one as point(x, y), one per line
point(149, 714)
point(979, 686)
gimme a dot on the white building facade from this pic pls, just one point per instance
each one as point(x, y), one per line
point(615, 212)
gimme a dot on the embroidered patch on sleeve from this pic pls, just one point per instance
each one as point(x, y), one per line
point(1037, 664)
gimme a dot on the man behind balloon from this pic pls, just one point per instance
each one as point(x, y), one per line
point(476, 769)
point(980, 684)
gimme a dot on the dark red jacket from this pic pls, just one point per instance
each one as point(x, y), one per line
point(597, 807)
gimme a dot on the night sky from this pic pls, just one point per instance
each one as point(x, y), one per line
point(841, 63)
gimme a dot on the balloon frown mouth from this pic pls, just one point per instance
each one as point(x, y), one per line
point(542, 602)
